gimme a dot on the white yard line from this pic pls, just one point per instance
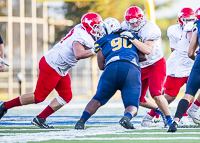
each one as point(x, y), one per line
point(71, 134)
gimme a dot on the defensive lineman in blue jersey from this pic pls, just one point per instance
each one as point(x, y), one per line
point(119, 60)
point(193, 82)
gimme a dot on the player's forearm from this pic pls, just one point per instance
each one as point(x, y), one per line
point(143, 47)
point(82, 54)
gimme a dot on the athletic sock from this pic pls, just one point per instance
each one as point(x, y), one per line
point(197, 103)
point(86, 115)
point(152, 113)
point(128, 115)
point(46, 112)
point(12, 103)
point(182, 108)
point(185, 114)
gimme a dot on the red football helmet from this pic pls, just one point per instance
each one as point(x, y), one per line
point(92, 23)
point(185, 15)
point(134, 14)
point(197, 13)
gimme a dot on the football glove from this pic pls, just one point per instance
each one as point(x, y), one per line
point(127, 35)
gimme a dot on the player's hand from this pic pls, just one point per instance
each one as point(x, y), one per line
point(127, 35)
point(93, 51)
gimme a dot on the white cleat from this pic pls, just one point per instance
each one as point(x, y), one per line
point(147, 121)
point(192, 112)
point(184, 121)
point(156, 119)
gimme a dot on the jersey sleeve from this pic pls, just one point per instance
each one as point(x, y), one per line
point(83, 37)
point(124, 25)
point(172, 39)
point(150, 31)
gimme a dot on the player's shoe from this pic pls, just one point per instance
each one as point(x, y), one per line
point(147, 121)
point(169, 121)
point(41, 122)
point(192, 112)
point(3, 110)
point(156, 118)
point(173, 127)
point(125, 122)
point(80, 125)
point(158, 112)
point(184, 121)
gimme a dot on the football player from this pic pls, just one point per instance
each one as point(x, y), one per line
point(55, 65)
point(179, 64)
point(153, 70)
point(193, 82)
point(119, 60)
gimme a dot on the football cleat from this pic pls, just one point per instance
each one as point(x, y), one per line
point(80, 125)
point(41, 122)
point(125, 122)
point(184, 121)
point(169, 121)
point(173, 127)
point(3, 110)
point(192, 112)
point(156, 118)
point(162, 115)
point(147, 121)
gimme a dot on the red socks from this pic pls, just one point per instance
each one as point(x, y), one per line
point(152, 113)
point(46, 112)
point(12, 103)
point(197, 103)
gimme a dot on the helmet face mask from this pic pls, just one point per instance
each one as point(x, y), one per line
point(186, 15)
point(110, 25)
point(93, 24)
point(133, 15)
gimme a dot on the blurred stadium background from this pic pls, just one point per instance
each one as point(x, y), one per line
point(31, 27)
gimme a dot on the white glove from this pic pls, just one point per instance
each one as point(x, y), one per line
point(93, 51)
point(128, 35)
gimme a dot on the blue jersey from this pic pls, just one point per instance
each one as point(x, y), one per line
point(115, 48)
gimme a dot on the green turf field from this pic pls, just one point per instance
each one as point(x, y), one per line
point(103, 127)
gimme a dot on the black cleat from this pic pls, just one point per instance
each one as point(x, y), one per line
point(3, 110)
point(173, 127)
point(125, 122)
point(41, 122)
point(80, 125)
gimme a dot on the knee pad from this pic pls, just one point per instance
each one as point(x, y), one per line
point(61, 100)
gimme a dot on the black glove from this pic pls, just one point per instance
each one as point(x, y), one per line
point(127, 35)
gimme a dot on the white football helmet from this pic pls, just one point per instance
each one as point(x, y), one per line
point(110, 25)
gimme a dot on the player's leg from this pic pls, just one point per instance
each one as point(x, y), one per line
point(192, 87)
point(30, 97)
point(105, 90)
point(172, 88)
point(148, 103)
point(192, 111)
point(156, 80)
point(44, 86)
point(129, 82)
